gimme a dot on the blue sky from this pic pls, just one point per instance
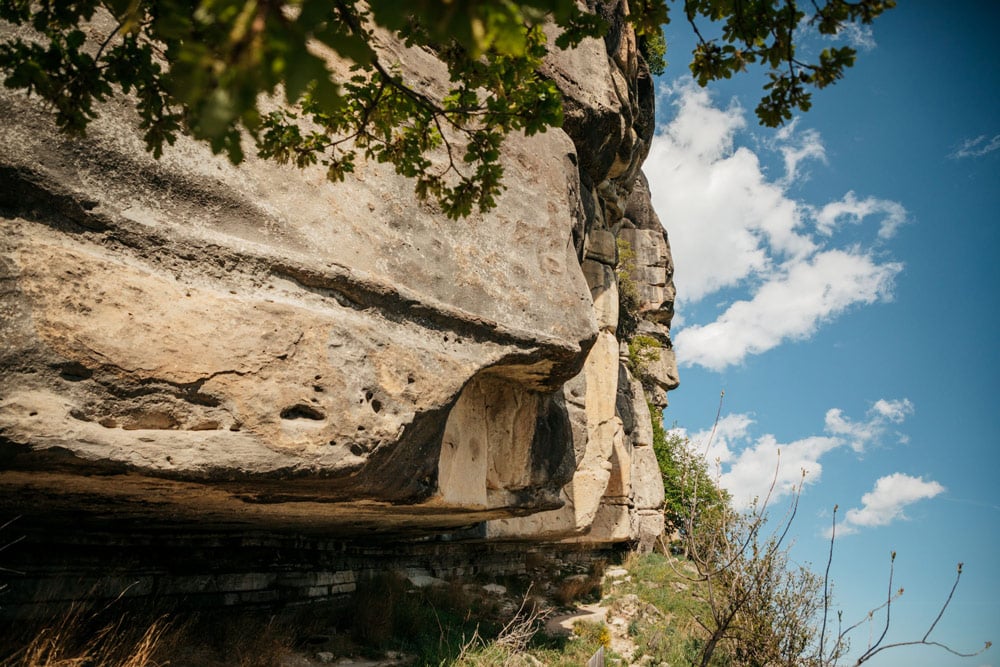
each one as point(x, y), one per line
point(839, 279)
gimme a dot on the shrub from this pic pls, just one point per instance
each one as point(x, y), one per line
point(685, 478)
point(643, 350)
point(653, 47)
point(628, 292)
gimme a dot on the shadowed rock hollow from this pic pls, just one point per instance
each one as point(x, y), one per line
point(189, 343)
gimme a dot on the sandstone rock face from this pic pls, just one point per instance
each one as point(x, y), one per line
point(610, 118)
point(653, 273)
point(236, 350)
point(185, 341)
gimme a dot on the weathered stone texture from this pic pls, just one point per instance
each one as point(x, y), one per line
point(262, 331)
point(186, 341)
point(610, 118)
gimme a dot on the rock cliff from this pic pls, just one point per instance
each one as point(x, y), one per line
point(186, 342)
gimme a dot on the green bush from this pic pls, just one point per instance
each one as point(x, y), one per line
point(628, 291)
point(643, 350)
point(688, 486)
point(654, 49)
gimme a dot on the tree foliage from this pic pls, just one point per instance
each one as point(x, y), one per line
point(764, 32)
point(204, 67)
point(691, 495)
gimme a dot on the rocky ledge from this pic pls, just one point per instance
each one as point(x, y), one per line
point(189, 343)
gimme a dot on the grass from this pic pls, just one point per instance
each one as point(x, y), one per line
point(670, 633)
point(78, 639)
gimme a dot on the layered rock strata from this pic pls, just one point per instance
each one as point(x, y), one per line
point(186, 342)
point(617, 492)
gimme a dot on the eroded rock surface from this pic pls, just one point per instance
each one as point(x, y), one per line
point(185, 341)
point(617, 491)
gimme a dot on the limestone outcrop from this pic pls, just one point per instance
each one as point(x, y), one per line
point(189, 342)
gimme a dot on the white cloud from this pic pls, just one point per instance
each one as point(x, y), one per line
point(977, 147)
point(790, 306)
point(753, 471)
point(719, 206)
point(887, 500)
point(717, 446)
point(860, 434)
point(895, 411)
point(731, 226)
point(797, 147)
point(699, 128)
point(748, 465)
point(856, 210)
point(857, 35)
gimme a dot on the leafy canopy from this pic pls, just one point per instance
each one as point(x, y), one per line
point(204, 67)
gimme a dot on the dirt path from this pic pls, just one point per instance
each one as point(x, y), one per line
point(617, 615)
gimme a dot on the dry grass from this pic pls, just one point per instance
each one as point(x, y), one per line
point(234, 639)
point(579, 587)
point(512, 641)
point(71, 642)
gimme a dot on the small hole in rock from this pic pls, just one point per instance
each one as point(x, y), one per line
point(318, 388)
point(302, 411)
point(318, 377)
point(361, 428)
point(368, 395)
point(357, 449)
point(377, 405)
point(32, 414)
point(75, 372)
point(410, 379)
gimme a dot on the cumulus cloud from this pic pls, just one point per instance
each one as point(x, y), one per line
point(790, 306)
point(854, 210)
point(733, 226)
point(861, 433)
point(895, 411)
point(976, 147)
point(747, 466)
point(717, 445)
point(769, 462)
point(796, 147)
point(887, 500)
point(857, 35)
point(721, 210)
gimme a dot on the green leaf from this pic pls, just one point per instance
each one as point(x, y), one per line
point(303, 70)
point(217, 114)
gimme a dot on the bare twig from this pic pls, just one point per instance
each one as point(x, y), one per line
point(873, 648)
point(826, 582)
point(923, 641)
